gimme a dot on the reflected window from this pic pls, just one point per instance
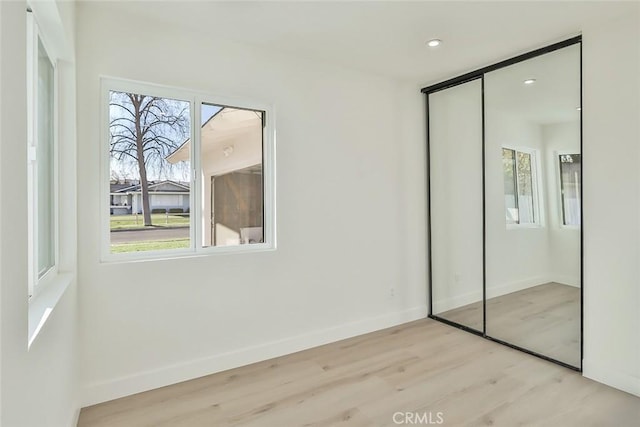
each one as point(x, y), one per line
point(520, 186)
point(570, 185)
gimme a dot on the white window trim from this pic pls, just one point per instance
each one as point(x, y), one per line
point(36, 284)
point(536, 174)
point(48, 290)
point(195, 98)
point(560, 214)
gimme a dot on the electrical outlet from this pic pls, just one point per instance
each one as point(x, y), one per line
point(392, 292)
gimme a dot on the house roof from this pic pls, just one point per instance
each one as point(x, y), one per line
point(166, 186)
point(223, 126)
point(116, 187)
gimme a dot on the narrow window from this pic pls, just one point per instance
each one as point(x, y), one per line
point(570, 188)
point(520, 186)
point(45, 164)
point(41, 178)
point(510, 192)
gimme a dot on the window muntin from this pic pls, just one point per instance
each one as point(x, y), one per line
point(520, 187)
point(231, 188)
point(570, 188)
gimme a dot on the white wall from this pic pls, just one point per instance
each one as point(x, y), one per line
point(350, 206)
point(39, 384)
point(611, 152)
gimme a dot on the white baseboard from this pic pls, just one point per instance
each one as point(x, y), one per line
point(124, 386)
point(520, 285)
point(447, 304)
point(566, 280)
point(611, 377)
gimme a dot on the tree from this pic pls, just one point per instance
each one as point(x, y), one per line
point(145, 130)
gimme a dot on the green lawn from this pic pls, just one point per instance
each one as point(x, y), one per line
point(151, 245)
point(121, 222)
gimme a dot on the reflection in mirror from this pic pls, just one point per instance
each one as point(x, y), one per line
point(455, 147)
point(533, 189)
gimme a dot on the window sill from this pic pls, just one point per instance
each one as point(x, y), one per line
point(186, 253)
point(44, 302)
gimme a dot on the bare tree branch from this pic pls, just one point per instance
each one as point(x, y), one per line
point(144, 131)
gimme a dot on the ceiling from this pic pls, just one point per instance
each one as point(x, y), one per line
point(387, 38)
point(554, 96)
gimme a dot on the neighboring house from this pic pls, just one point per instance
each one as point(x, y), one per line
point(126, 198)
point(231, 161)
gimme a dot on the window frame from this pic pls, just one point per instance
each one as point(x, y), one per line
point(195, 99)
point(536, 186)
point(37, 283)
point(560, 200)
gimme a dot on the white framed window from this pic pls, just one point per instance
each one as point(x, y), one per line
point(521, 187)
point(42, 181)
point(184, 173)
point(570, 181)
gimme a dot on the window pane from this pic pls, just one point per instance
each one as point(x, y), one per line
point(570, 165)
point(45, 164)
point(150, 181)
point(232, 179)
point(525, 189)
point(510, 200)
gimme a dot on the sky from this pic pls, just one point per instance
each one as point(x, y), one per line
point(180, 172)
point(207, 111)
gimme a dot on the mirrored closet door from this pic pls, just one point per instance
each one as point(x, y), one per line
point(455, 144)
point(505, 202)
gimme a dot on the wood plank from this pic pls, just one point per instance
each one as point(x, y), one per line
point(420, 367)
point(544, 319)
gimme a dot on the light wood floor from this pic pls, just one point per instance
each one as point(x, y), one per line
point(543, 318)
point(420, 367)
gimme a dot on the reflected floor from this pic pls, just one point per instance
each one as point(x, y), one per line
point(543, 318)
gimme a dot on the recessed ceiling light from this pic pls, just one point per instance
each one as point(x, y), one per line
point(434, 42)
point(529, 81)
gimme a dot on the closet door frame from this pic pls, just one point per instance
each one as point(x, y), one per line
point(466, 78)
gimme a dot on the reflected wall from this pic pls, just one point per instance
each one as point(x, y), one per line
point(455, 145)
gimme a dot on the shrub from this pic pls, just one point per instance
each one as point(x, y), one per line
point(176, 210)
point(158, 210)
